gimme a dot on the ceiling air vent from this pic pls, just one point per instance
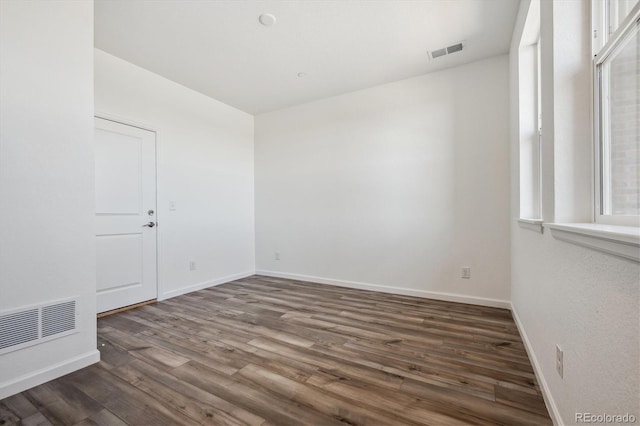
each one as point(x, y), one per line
point(434, 54)
point(36, 324)
point(438, 53)
point(455, 48)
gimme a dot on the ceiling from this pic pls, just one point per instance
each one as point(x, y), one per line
point(219, 47)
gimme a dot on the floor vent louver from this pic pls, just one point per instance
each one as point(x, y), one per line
point(37, 324)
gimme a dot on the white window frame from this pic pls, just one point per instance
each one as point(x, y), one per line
point(616, 235)
point(529, 119)
point(603, 46)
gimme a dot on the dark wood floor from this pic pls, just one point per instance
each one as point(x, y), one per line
point(264, 351)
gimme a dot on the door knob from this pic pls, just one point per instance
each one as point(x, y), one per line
point(150, 225)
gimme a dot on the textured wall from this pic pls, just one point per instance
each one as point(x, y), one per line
point(47, 249)
point(205, 166)
point(588, 303)
point(398, 186)
point(585, 301)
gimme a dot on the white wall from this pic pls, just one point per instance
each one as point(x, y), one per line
point(395, 186)
point(583, 300)
point(205, 165)
point(46, 179)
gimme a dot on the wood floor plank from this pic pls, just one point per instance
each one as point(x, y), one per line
point(252, 397)
point(264, 351)
point(18, 405)
point(340, 408)
point(7, 416)
point(405, 406)
point(201, 406)
point(37, 419)
point(416, 362)
point(517, 398)
point(105, 417)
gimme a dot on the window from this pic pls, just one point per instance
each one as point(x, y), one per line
point(530, 117)
point(617, 11)
point(530, 132)
point(617, 112)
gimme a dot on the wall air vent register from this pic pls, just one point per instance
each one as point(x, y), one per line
point(36, 324)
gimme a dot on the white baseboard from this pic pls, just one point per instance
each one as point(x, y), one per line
point(44, 375)
point(546, 393)
point(205, 284)
point(449, 297)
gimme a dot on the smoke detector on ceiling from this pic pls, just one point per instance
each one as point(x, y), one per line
point(267, 19)
point(435, 54)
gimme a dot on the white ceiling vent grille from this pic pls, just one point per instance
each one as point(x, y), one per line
point(37, 324)
point(434, 54)
point(438, 53)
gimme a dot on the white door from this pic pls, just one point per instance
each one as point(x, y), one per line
point(125, 184)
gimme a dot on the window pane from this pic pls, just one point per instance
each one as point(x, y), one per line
point(621, 129)
point(618, 10)
point(529, 120)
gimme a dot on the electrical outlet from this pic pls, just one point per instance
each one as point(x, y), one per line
point(466, 272)
point(192, 265)
point(559, 360)
point(172, 205)
point(277, 255)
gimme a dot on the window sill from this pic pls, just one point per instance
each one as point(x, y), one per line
point(531, 224)
point(622, 241)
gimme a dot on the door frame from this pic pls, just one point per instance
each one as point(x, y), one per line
point(140, 125)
